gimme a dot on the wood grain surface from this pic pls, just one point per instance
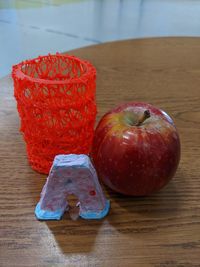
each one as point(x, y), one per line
point(162, 230)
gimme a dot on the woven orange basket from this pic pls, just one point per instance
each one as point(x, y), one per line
point(55, 97)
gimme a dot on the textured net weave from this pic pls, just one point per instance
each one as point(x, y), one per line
point(56, 102)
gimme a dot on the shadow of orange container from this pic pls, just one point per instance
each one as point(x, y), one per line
point(55, 97)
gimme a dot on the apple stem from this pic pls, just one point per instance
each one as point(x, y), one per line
point(144, 116)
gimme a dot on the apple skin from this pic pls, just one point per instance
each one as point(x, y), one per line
point(136, 160)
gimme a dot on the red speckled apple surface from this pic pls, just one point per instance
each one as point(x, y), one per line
point(136, 149)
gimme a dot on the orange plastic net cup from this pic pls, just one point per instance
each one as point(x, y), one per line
point(56, 102)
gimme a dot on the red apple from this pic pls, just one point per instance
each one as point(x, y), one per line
point(136, 149)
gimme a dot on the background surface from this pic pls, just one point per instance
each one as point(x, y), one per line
point(29, 28)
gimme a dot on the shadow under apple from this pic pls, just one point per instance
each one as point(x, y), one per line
point(150, 213)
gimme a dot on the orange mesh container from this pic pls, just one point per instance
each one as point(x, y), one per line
point(55, 97)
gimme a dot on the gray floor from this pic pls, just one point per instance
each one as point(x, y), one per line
point(36, 27)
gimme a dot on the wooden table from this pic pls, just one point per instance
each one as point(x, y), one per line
point(161, 230)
